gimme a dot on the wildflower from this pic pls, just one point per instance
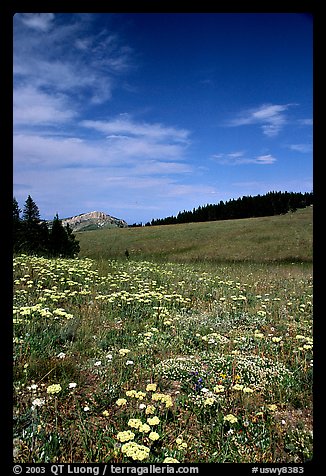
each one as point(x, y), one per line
point(61, 355)
point(151, 387)
point(98, 363)
point(168, 459)
point(150, 409)
point(153, 421)
point(131, 393)
point(86, 409)
point(237, 386)
point(181, 444)
point(55, 388)
point(72, 385)
point(276, 339)
point(272, 407)
point(163, 398)
point(135, 451)
point(134, 422)
point(247, 390)
point(142, 406)
point(125, 436)
point(140, 395)
point(38, 402)
point(153, 436)
point(105, 413)
point(209, 401)
point(230, 418)
point(124, 351)
point(219, 388)
point(144, 428)
point(121, 401)
point(129, 362)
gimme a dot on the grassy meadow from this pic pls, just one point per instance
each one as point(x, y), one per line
point(197, 349)
point(277, 238)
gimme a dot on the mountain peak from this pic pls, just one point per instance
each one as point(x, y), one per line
point(92, 221)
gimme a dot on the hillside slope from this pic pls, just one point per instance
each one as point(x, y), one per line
point(267, 239)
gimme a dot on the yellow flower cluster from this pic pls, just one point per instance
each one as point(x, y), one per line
point(209, 401)
point(125, 436)
point(53, 389)
point(180, 443)
point(230, 418)
point(153, 436)
point(151, 387)
point(153, 421)
point(161, 397)
point(135, 394)
point(134, 422)
point(219, 389)
point(168, 459)
point(135, 451)
point(121, 402)
point(124, 351)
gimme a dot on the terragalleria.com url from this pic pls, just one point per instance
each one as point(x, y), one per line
point(153, 469)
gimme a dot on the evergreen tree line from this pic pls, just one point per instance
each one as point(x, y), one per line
point(32, 235)
point(272, 203)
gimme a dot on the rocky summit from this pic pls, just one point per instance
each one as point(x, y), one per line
point(93, 221)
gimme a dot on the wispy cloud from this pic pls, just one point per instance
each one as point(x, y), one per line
point(239, 158)
point(127, 128)
point(53, 56)
point(303, 148)
point(270, 117)
point(35, 107)
point(38, 21)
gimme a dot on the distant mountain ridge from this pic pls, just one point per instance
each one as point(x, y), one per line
point(93, 221)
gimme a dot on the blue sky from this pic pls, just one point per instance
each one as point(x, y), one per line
point(145, 115)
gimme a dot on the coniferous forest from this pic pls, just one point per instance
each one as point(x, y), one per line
point(272, 203)
point(32, 235)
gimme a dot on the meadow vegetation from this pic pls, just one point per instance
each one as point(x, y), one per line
point(283, 238)
point(126, 361)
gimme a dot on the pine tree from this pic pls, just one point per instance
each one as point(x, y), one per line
point(17, 226)
point(62, 241)
point(73, 247)
point(31, 212)
point(35, 233)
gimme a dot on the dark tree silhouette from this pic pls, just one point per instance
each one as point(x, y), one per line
point(273, 203)
point(31, 235)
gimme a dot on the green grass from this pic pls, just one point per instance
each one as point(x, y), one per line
point(286, 238)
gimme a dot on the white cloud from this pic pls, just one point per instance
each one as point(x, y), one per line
point(125, 127)
point(38, 21)
point(303, 148)
point(67, 58)
point(239, 158)
point(270, 117)
point(264, 159)
point(34, 107)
